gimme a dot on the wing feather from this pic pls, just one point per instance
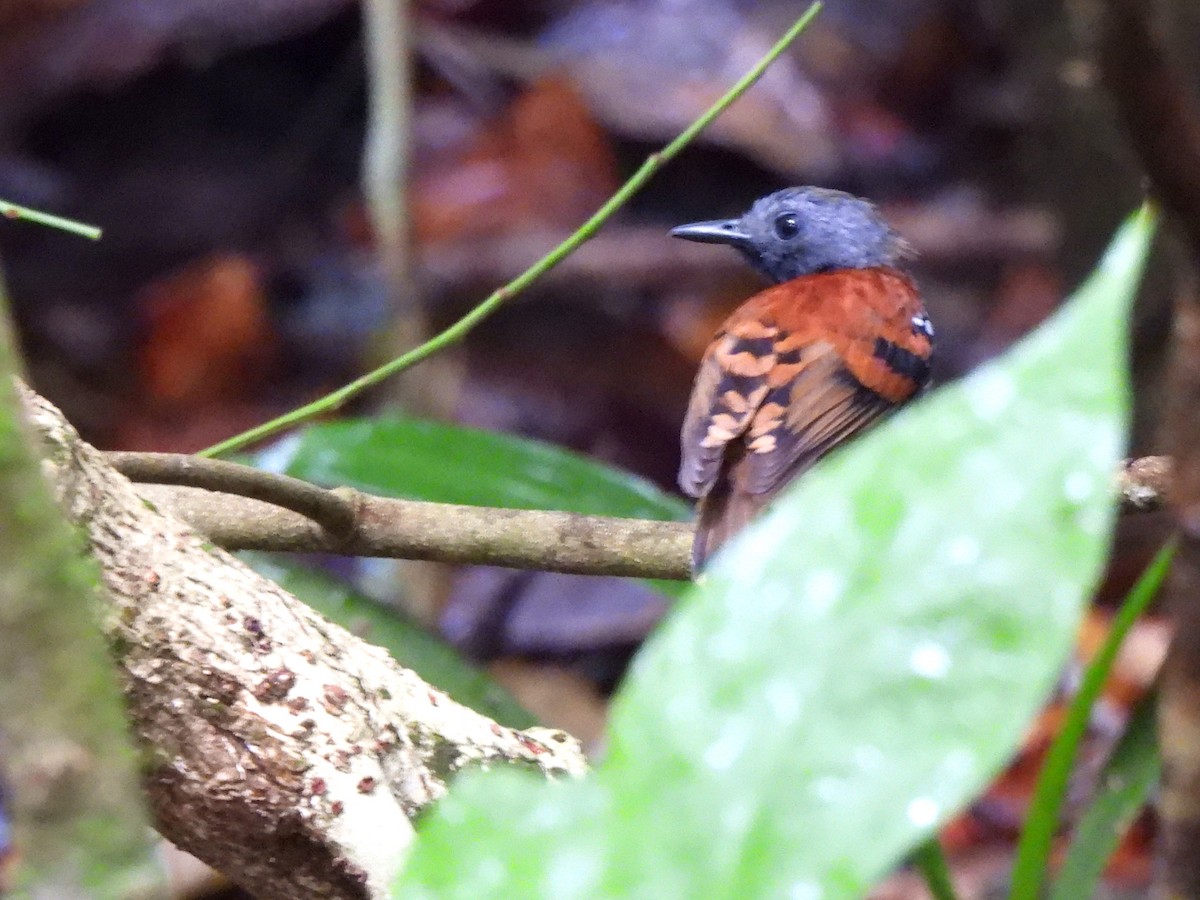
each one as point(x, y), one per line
point(804, 419)
point(729, 389)
point(797, 370)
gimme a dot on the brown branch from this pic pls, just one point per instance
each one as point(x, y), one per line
point(1163, 123)
point(405, 529)
point(1143, 483)
point(333, 511)
point(410, 529)
point(281, 749)
point(475, 535)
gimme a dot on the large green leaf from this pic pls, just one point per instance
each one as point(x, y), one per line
point(855, 667)
point(407, 642)
point(422, 460)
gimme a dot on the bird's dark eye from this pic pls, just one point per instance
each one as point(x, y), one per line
point(786, 226)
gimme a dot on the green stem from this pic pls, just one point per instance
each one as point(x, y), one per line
point(459, 329)
point(931, 862)
point(1037, 839)
point(13, 211)
point(1123, 787)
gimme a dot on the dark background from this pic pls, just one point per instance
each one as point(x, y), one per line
point(219, 145)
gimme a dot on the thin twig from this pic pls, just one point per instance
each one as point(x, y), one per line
point(386, 29)
point(329, 509)
point(464, 325)
point(387, 33)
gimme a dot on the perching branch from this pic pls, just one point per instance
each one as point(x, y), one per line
point(241, 508)
point(280, 749)
point(463, 326)
point(274, 512)
point(442, 532)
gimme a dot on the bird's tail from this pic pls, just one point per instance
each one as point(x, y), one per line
point(722, 514)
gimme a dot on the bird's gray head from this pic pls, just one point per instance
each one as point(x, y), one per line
point(804, 230)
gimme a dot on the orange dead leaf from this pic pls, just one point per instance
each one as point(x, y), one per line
point(207, 329)
point(543, 164)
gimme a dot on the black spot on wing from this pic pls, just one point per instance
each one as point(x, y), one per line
point(901, 361)
point(721, 407)
point(760, 346)
point(821, 409)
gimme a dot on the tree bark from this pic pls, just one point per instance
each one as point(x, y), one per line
point(1162, 119)
point(280, 749)
point(79, 827)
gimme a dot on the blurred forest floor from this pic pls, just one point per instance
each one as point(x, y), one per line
point(219, 145)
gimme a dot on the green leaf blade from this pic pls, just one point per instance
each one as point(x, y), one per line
point(857, 665)
point(440, 463)
point(887, 635)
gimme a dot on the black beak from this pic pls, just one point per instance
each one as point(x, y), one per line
point(719, 231)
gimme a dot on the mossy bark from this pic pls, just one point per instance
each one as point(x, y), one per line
point(80, 826)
